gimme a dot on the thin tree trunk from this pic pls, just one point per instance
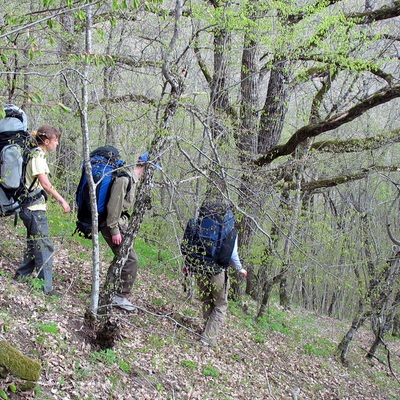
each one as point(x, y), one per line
point(108, 332)
point(358, 321)
point(94, 298)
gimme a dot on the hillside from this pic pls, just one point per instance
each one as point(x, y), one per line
point(158, 356)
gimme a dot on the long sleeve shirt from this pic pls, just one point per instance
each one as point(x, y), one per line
point(235, 261)
point(120, 202)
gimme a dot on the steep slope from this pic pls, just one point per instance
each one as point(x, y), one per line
point(158, 356)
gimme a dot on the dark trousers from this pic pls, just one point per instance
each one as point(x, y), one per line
point(39, 251)
point(129, 270)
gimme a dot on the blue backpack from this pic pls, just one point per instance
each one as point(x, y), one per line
point(106, 164)
point(208, 241)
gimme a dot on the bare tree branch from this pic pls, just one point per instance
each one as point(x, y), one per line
point(357, 145)
point(380, 97)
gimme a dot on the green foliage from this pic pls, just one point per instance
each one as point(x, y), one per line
point(150, 254)
point(158, 301)
point(109, 357)
point(47, 327)
point(48, 3)
point(159, 387)
point(3, 394)
point(125, 367)
point(320, 347)
point(258, 337)
point(37, 390)
point(274, 321)
point(37, 283)
point(209, 370)
point(189, 312)
point(189, 364)
point(81, 373)
point(156, 340)
point(12, 388)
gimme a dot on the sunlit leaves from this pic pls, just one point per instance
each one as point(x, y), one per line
point(35, 97)
point(63, 107)
point(316, 32)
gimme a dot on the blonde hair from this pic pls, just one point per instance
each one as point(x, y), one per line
point(46, 132)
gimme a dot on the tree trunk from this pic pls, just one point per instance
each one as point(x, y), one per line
point(108, 331)
point(275, 108)
point(19, 365)
point(358, 321)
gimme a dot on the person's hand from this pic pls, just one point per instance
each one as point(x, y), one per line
point(243, 272)
point(117, 239)
point(65, 207)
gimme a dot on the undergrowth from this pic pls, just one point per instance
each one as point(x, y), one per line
point(158, 355)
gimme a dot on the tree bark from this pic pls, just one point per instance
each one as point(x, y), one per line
point(19, 365)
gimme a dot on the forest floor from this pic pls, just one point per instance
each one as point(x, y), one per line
point(286, 355)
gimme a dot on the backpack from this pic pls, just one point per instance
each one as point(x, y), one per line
point(106, 164)
point(208, 241)
point(15, 149)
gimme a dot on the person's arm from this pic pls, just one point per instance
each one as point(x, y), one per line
point(48, 187)
point(235, 261)
point(114, 207)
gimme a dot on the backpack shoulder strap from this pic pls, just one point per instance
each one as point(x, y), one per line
point(226, 249)
point(189, 235)
point(27, 154)
point(121, 172)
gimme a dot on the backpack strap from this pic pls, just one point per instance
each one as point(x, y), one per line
point(121, 172)
point(30, 196)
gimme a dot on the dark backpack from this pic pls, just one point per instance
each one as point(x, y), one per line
point(15, 150)
point(106, 164)
point(208, 241)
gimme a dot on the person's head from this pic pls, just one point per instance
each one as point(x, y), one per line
point(143, 159)
point(140, 165)
point(47, 137)
point(211, 207)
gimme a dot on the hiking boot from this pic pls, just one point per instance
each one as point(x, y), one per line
point(123, 302)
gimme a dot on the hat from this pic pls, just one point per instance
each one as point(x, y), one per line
point(144, 158)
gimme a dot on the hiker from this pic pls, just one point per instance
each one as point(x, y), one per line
point(208, 255)
point(39, 251)
point(113, 228)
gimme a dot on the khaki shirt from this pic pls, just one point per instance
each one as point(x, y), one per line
point(120, 201)
point(37, 164)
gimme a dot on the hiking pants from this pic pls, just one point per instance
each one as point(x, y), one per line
point(129, 270)
point(214, 296)
point(39, 250)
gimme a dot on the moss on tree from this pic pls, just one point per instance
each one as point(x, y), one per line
point(18, 364)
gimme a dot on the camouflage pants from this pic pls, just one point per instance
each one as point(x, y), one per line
point(214, 296)
point(130, 269)
point(39, 250)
